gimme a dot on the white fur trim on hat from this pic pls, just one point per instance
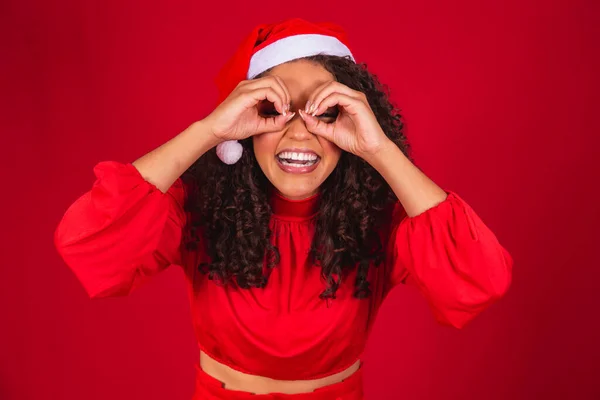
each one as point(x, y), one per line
point(294, 47)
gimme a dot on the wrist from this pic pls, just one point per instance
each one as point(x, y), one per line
point(202, 130)
point(386, 152)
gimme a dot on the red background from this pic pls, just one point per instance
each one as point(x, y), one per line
point(500, 100)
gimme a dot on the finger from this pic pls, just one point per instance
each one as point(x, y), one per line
point(279, 86)
point(272, 83)
point(351, 105)
point(265, 93)
point(316, 126)
point(274, 124)
point(288, 98)
point(332, 87)
point(311, 99)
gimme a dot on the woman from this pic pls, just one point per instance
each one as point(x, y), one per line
point(292, 244)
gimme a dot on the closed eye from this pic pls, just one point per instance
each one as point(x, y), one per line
point(267, 109)
point(330, 115)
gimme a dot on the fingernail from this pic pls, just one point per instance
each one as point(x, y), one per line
point(307, 106)
point(290, 117)
point(288, 106)
point(312, 109)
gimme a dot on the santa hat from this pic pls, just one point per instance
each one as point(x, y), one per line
point(270, 45)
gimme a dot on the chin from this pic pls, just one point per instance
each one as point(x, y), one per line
point(295, 187)
point(294, 192)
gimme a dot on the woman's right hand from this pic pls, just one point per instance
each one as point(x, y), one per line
point(254, 107)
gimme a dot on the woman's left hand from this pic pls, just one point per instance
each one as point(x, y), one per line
point(355, 130)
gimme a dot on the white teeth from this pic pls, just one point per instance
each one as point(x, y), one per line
point(288, 155)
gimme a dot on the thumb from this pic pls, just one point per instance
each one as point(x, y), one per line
point(314, 125)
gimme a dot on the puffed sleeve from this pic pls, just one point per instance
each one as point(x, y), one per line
point(452, 257)
point(122, 231)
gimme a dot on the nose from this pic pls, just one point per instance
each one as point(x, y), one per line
point(297, 129)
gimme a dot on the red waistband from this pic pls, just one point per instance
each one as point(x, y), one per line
point(209, 388)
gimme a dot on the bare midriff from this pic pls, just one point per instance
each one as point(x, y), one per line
point(236, 380)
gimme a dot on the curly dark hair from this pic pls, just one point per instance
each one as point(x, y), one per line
point(231, 212)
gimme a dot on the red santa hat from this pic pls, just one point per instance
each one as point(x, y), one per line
point(270, 45)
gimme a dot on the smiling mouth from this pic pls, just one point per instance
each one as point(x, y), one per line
point(297, 162)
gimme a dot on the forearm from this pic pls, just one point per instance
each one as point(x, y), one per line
point(414, 189)
point(163, 165)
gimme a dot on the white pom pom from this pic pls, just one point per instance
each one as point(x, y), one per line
point(230, 151)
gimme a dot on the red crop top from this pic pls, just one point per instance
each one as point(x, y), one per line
point(125, 230)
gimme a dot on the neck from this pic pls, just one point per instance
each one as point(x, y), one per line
point(296, 198)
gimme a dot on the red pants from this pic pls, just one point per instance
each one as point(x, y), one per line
point(209, 388)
